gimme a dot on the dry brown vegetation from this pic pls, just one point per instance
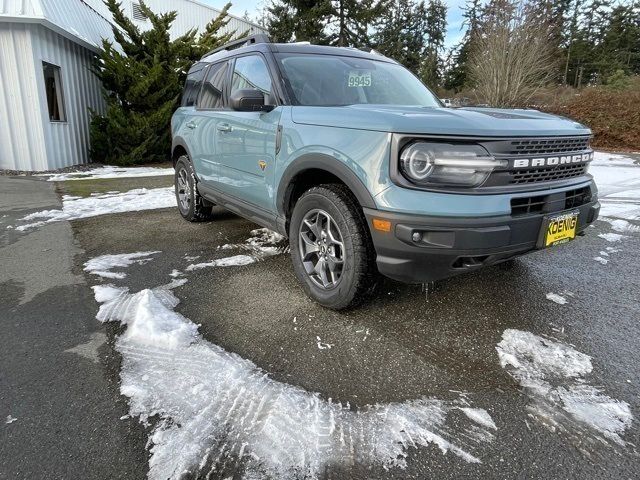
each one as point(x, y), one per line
point(613, 115)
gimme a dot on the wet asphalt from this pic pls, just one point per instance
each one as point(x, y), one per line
point(401, 344)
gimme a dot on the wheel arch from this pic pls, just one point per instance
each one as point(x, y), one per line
point(178, 148)
point(315, 169)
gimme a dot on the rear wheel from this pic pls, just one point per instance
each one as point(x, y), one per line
point(333, 256)
point(191, 205)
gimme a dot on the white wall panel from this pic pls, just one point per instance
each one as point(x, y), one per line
point(21, 132)
point(67, 143)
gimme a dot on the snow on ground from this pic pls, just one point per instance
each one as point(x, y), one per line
point(109, 172)
point(103, 264)
point(74, 208)
point(212, 409)
point(554, 297)
point(553, 375)
point(618, 181)
point(263, 243)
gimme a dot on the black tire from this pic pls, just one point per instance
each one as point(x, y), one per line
point(358, 274)
point(191, 205)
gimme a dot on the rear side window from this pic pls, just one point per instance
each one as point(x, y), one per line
point(193, 84)
point(251, 72)
point(212, 94)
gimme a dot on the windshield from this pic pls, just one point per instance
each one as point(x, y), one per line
point(328, 80)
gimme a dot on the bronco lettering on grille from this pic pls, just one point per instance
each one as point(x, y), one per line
point(551, 161)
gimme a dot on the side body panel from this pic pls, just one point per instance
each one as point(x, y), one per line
point(246, 151)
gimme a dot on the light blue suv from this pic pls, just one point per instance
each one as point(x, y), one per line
point(353, 159)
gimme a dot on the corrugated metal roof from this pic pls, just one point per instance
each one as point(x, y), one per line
point(89, 21)
point(83, 21)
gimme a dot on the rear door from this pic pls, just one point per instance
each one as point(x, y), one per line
point(246, 141)
point(211, 100)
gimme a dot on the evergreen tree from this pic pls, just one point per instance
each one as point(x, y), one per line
point(143, 78)
point(457, 76)
point(298, 20)
point(352, 20)
point(435, 30)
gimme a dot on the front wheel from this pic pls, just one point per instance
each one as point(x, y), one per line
point(333, 256)
point(191, 205)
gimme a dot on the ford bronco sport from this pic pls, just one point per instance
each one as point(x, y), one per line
point(358, 163)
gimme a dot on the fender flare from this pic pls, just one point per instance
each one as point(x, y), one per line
point(175, 143)
point(330, 164)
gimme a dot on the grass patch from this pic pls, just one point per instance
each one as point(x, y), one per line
point(84, 188)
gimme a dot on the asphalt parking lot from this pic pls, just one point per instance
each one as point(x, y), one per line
point(61, 370)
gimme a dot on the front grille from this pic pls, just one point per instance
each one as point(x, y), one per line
point(557, 172)
point(549, 145)
point(527, 205)
point(550, 203)
point(576, 198)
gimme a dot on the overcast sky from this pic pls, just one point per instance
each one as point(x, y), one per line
point(454, 17)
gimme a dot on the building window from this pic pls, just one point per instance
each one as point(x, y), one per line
point(53, 87)
point(137, 13)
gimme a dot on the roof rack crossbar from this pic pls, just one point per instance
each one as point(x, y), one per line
point(241, 42)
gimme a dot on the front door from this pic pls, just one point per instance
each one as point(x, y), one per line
point(246, 141)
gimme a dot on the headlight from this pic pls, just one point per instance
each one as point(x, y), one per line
point(447, 164)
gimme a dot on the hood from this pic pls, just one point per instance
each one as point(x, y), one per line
point(476, 122)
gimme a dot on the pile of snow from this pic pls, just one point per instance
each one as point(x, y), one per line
point(74, 208)
point(215, 407)
point(109, 172)
point(263, 243)
point(103, 264)
point(552, 374)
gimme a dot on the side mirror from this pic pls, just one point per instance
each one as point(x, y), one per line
point(249, 100)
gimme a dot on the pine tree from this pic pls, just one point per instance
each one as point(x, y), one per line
point(401, 35)
point(457, 76)
point(143, 78)
point(435, 30)
point(352, 20)
point(298, 20)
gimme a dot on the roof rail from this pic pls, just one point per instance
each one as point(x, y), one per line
point(241, 42)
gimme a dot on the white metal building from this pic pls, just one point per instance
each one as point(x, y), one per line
point(46, 86)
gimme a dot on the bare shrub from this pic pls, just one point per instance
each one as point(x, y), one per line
point(512, 54)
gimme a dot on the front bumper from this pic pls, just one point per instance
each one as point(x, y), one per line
point(449, 246)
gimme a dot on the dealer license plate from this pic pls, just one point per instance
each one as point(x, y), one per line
point(559, 229)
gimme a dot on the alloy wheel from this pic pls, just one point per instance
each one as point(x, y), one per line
point(184, 192)
point(321, 248)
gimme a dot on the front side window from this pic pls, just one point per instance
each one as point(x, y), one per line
point(334, 80)
point(53, 89)
point(213, 95)
point(251, 72)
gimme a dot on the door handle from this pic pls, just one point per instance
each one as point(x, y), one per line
point(223, 127)
point(191, 124)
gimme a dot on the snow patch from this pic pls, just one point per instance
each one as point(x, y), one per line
point(601, 260)
point(552, 374)
point(621, 226)
point(235, 261)
point(103, 264)
point(554, 297)
point(618, 180)
point(109, 172)
point(74, 208)
point(480, 416)
point(323, 345)
point(263, 243)
point(10, 419)
point(214, 406)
